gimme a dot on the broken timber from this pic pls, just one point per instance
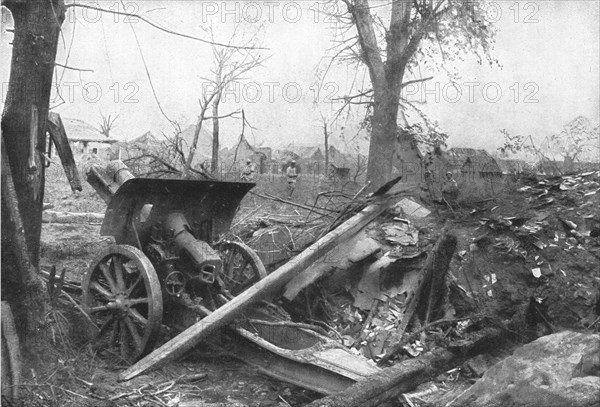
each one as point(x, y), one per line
point(265, 288)
point(432, 275)
point(390, 382)
point(57, 132)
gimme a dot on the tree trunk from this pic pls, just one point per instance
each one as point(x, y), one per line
point(383, 137)
point(390, 145)
point(215, 144)
point(326, 136)
point(36, 25)
point(36, 30)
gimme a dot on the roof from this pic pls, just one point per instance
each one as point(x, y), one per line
point(204, 146)
point(299, 152)
point(78, 130)
point(480, 159)
point(147, 138)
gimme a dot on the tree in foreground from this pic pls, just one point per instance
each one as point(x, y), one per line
point(36, 31)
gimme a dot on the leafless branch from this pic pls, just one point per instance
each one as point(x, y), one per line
point(155, 25)
point(404, 84)
point(73, 68)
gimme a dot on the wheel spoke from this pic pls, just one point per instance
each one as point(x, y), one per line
point(135, 283)
point(243, 267)
point(114, 333)
point(106, 272)
point(123, 295)
point(136, 301)
point(124, 353)
point(229, 263)
point(105, 325)
point(137, 339)
point(96, 286)
point(99, 309)
point(137, 316)
point(118, 268)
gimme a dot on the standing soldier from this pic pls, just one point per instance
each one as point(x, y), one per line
point(292, 176)
point(450, 190)
point(248, 171)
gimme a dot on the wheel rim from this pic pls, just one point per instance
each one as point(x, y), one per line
point(241, 267)
point(122, 295)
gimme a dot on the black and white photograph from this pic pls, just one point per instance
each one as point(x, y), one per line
point(321, 203)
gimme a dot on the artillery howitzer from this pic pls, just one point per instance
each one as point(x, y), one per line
point(167, 260)
point(169, 265)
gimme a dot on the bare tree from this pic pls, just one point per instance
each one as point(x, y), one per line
point(360, 167)
point(417, 30)
point(107, 124)
point(163, 158)
point(230, 66)
point(325, 142)
point(577, 139)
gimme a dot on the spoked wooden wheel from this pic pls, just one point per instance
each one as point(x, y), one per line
point(241, 267)
point(122, 294)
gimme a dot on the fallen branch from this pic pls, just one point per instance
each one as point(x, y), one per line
point(285, 201)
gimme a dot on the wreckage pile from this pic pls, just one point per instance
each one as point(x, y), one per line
point(439, 293)
point(520, 266)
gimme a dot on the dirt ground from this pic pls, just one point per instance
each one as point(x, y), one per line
point(512, 249)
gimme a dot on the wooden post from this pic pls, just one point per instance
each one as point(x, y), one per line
point(57, 132)
point(266, 287)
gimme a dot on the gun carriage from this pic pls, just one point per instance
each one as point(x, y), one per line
point(168, 263)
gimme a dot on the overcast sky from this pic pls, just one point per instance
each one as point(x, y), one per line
point(549, 52)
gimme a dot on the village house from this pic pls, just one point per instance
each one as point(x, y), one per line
point(476, 171)
point(86, 139)
point(237, 155)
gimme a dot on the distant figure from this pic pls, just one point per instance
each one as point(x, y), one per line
point(292, 176)
point(427, 188)
point(248, 171)
point(450, 189)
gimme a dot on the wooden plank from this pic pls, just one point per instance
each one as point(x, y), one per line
point(390, 382)
point(57, 132)
point(355, 249)
point(268, 286)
